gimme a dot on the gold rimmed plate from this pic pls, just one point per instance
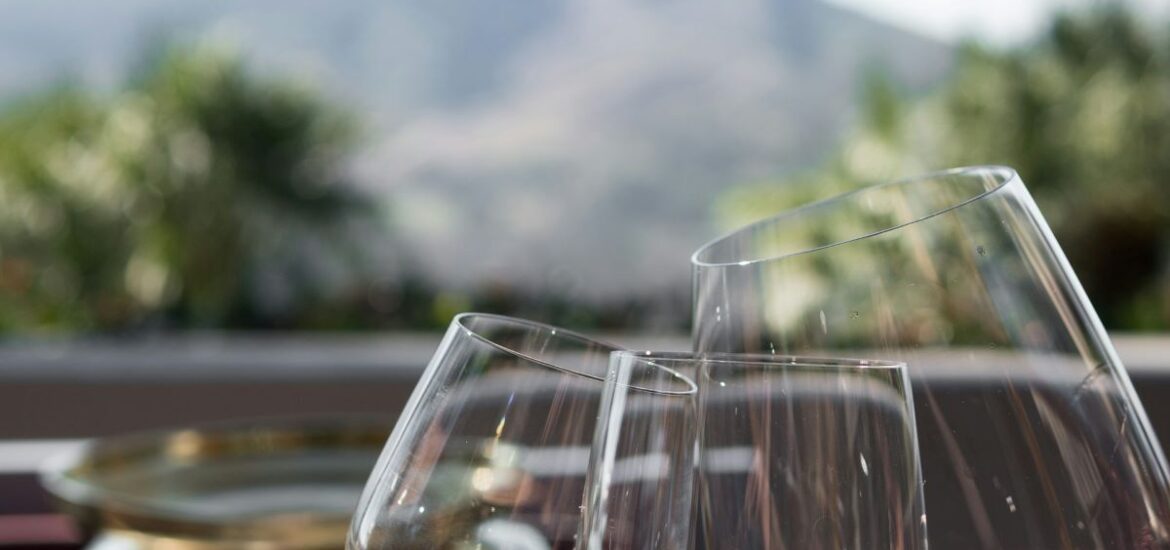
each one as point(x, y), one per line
point(282, 483)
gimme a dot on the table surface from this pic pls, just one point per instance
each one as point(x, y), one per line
point(28, 518)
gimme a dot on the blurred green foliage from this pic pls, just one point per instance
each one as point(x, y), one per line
point(198, 196)
point(205, 195)
point(1083, 114)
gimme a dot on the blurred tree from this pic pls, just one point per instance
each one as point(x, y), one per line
point(201, 195)
point(1083, 114)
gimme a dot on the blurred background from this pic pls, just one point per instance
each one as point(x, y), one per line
point(221, 209)
point(368, 166)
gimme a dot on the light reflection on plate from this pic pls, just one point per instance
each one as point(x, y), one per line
point(287, 483)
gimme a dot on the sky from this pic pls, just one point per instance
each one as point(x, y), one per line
point(995, 22)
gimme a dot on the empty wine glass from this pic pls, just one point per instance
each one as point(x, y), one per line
point(1031, 434)
point(808, 453)
point(641, 473)
point(492, 448)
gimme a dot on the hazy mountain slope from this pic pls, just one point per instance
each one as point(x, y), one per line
point(574, 143)
point(596, 163)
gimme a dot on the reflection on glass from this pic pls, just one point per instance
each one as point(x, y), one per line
point(492, 448)
point(1032, 436)
point(810, 454)
point(641, 478)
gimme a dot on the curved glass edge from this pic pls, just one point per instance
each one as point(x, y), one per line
point(653, 360)
point(1005, 174)
point(461, 327)
point(761, 358)
point(463, 320)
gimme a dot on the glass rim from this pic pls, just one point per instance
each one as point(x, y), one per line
point(1007, 174)
point(527, 323)
point(642, 356)
point(724, 358)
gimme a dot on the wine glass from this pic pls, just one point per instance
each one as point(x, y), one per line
point(1031, 433)
point(492, 448)
point(641, 473)
point(808, 453)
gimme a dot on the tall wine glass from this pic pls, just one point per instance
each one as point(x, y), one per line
point(1031, 434)
point(641, 473)
point(492, 448)
point(807, 453)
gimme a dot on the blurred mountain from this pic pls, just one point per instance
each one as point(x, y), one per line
point(570, 146)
